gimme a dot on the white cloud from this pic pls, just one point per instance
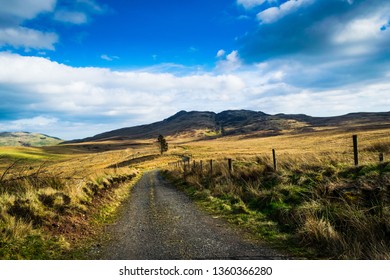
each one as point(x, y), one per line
point(34, 84)
point(36, 122)
point(71, 17)
point(13, 15)
point(55, 95)
point(12, 33)
point(109, 58)
point(221, 53)
point(24, 9)
point(233, 57)
point(329, 102)
point(249, 4)
point(231, 63)
point(360, 30)
point(55, 127)
point(21, 37)
point(273, 14)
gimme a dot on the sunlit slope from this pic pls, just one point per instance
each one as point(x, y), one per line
point(27, 139)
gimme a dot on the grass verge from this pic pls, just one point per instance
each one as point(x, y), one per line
point(317, 211)
point(44, 216)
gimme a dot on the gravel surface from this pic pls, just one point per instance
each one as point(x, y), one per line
point(160, 222)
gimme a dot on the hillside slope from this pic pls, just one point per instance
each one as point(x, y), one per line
point(196, 124)
point(27, 139)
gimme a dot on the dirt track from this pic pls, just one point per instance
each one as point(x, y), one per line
point(160, 222)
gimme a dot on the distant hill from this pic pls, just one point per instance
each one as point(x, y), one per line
point(27, 139)
point(241, 122)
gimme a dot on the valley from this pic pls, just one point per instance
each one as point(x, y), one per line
point(57, 201)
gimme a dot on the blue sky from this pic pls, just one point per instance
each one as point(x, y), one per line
point(75, 68)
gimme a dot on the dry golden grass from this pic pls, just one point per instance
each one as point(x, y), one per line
point(312, 146)
point(316, 196)
point(48, 196)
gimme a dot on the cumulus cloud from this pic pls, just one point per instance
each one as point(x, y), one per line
point(248, 4)
point(14, 14)
point(21, 37)
point(16, 11)
point(361, 29)
point(12, 33)
point(32, 86)
point(42, 95)
point(38, 122)
point(322, 26)
point(316, 57)
point(230, 63)
point(328, 102)
point(275, 13)
point(221, 53)
point(333, 42)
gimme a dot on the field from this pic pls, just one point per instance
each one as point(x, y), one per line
point(317, 203)
point(55, 200)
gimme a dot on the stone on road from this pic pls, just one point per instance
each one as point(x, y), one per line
point(160, 222)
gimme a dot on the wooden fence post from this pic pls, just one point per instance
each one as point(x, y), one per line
point(211, 167)
point(274, 158)
point(201, 167)
point(355, 149)
point(230, 165)
point(381, 158)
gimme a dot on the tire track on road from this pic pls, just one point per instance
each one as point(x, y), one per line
point(160, 222)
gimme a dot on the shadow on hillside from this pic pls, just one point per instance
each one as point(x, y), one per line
point(134, 161)
point(95, 147)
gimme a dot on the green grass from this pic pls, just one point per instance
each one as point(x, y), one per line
point(9, 154)
point(27, 139)
point(34, 247)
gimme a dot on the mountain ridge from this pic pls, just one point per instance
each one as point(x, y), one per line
point(207, 124)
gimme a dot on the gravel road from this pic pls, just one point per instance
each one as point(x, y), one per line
point(160, 222)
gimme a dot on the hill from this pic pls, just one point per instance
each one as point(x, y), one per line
point(27, 139)
point(247, 123)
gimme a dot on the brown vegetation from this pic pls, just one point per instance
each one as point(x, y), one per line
point(316, 197)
